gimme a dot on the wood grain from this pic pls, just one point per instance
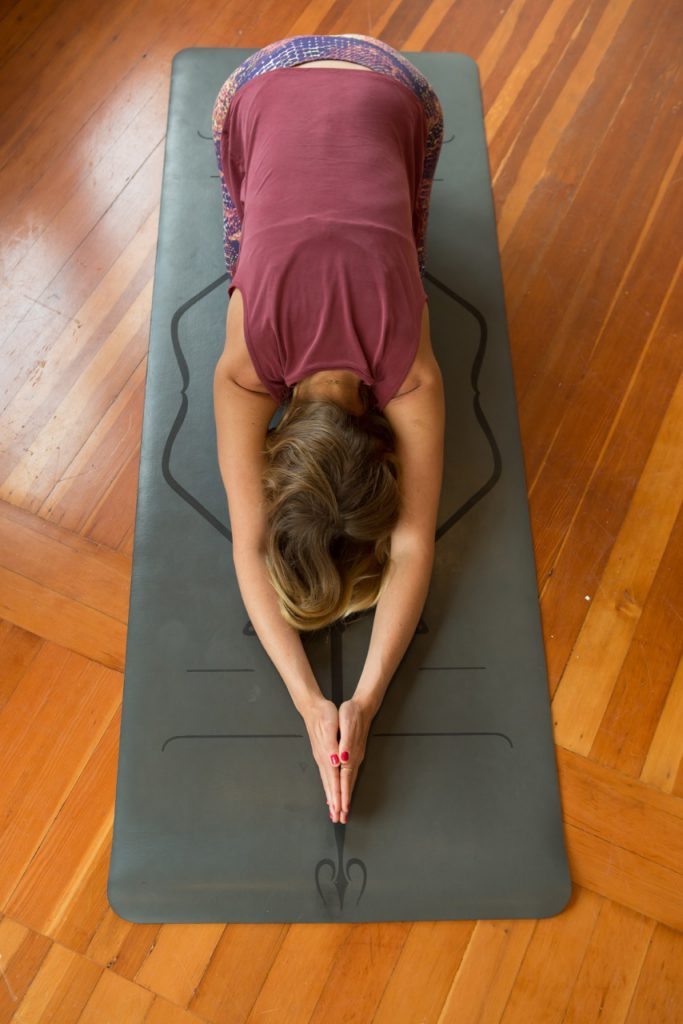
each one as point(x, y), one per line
point(583, 105)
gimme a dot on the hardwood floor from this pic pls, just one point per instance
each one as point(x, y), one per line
point(583, 109)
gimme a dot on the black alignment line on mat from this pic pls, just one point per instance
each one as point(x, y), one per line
point(223, 529)
point(425, 668)
point(220, 526)
point(339, 878)
point(333, 888)
point(300, 735)
point(489, 484)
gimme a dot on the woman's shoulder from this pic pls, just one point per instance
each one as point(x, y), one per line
point(242, 369)
point(424, 361)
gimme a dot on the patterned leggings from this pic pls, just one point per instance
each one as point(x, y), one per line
point(359, 49)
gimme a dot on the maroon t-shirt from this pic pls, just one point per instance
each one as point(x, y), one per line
point(324, 166)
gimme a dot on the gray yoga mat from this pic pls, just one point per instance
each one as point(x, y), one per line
point(220, 811)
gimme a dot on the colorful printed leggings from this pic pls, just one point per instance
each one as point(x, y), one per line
point(367, 50)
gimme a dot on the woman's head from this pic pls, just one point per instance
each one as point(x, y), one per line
point(331, 488)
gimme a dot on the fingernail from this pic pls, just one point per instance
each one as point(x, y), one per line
point(345, 755)
point(334, 759)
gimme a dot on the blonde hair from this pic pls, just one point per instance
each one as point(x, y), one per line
point(331, 484)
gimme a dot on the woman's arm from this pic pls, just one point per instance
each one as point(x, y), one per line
point(418, 420)
point(396, 617)
point(242, 418)
point(281, 641)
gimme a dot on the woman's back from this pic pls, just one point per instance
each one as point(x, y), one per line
point(325, 170)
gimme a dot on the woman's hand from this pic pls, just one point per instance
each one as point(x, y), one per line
point(354, 723)
point(322, 722)
point(338, 757)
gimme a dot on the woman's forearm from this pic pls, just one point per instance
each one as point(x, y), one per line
point(281, 641)
point(396, 616)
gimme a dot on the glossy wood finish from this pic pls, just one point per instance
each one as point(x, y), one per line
point(583, 108)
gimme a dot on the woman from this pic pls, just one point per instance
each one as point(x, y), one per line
point(327, 147)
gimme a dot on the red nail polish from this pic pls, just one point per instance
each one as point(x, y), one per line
point(345, 755)
point(334, 759)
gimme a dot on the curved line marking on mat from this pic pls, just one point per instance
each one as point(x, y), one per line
point(222, 528)
point(300, 735)
point(339, 878)
point(172, 482)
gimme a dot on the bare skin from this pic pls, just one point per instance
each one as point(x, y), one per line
point(343, 731)
point(340, 384)
point(333, 64)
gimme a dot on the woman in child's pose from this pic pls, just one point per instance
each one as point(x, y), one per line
point(327, 148)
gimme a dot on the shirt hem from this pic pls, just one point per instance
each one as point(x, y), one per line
point(274, 394)
point(292, 67)
point(411, 359)
point(316, 367)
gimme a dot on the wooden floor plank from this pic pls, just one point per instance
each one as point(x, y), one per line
point(582, 104)
point(624, 582)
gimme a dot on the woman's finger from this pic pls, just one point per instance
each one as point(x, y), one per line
point(326, 784)
point(336, 792)
point(322, 723)
point(331, 786)
point(332, 771)
point(354, 724)
point(348, 780)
